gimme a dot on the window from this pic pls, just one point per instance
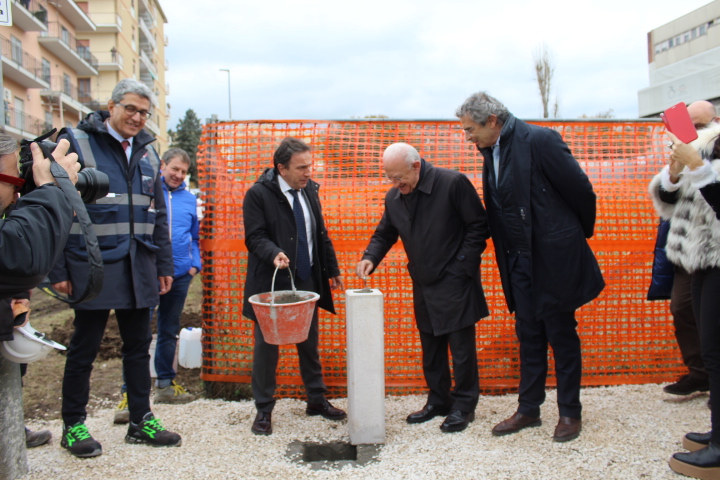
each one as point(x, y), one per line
point(16, 50)
point(65, 35)
point(84, 90)
point(67, 85)
point(703, 29)
point(46, 70)
point(48, 121)
point(83, 49)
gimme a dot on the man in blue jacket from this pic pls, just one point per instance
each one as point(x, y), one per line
point(185, 239)
point(131, 226)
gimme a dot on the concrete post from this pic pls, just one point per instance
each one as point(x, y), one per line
point(12, 424)
point(365, 366)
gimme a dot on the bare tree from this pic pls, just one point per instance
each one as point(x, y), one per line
point(544, 70)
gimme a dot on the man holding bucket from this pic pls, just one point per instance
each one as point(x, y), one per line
point(284, 228)
point(439, 217)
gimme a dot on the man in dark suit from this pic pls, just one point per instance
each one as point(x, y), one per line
point(439, 217)
point(284, 228)
point(541, 210)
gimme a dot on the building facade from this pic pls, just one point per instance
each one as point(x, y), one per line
point(684, 61)
point(62, 58)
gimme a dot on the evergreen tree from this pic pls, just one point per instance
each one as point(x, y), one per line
point(187, 136)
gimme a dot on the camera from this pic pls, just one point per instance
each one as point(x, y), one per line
point(92, 183)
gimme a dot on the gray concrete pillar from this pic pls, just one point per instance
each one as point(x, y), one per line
point(12, 425)
point(365, 366)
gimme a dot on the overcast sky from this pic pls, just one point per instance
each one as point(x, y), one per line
point(415, 59)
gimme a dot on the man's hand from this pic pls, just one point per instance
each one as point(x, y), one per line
point(336, 283)
point(64, 287)
point(41, 165)
point(165, 284)
point(684, 155)
point(193, 271)
point(363, 268)
point(281, 261)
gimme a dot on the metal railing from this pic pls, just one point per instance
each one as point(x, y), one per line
point(56, 30)
point(37, 7)
point(21, 57)
point(22, 121)
point(63, 85)
point(109, 57)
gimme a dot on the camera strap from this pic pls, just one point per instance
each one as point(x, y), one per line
point(95, 262)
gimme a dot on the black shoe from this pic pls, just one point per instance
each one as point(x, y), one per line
point(152, 432)
point(695, 441)
point(703, 463)
point(428, 412)
point(262, 424)
point(457, 421)
point(687, 385)
point(78, 440)
point(326, 410)
point(36, 438)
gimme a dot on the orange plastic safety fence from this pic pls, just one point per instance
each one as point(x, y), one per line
point(625, 338)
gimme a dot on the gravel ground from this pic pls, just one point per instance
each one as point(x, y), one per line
point(629, 432)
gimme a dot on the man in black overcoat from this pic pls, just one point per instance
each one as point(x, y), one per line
point(439, 217)
point(284, 228)
point(541, 210)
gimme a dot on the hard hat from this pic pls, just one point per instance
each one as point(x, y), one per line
point(28, 345)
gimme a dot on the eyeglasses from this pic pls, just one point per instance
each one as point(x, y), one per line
point(131, 110)
point(398, 179)
point(14, 181)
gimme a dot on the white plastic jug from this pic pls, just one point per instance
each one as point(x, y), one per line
point(153, 345)
point(190, 351)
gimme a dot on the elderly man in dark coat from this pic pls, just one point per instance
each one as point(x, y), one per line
point(541, 208)
point(439, 217)
point(284, 228)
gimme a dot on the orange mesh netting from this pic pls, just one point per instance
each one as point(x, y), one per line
point(625, 338)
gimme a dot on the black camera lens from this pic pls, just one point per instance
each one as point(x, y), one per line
point(92, 184)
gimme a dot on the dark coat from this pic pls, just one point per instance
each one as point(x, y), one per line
point(443, 239)
point(32, 238)
point(270, 229)
point(131, 224)
point(663, 271)
point(544, 207)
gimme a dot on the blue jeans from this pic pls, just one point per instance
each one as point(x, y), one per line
point(168, 328)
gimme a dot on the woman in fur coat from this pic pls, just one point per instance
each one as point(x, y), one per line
point(687, 192)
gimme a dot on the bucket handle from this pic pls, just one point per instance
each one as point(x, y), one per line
point(272, 287)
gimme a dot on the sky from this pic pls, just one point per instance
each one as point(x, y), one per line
point(414, 59)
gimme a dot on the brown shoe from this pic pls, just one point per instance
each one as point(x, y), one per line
point(326, 410)
point(515, 423)
point(567, 429)
point(262, 424)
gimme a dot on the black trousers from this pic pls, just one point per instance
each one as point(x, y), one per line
point(686, 328)
point(265, 361)
point(436, 368)
point(706, 304)
point(534, 334)
point(134, 325)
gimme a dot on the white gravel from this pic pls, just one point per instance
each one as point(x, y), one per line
point(629, 432)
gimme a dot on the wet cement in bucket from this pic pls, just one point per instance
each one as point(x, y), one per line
point(285, 298)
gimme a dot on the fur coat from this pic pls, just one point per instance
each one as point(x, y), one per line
point(694, 237)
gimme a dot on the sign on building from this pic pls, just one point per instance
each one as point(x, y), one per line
point(5, 14)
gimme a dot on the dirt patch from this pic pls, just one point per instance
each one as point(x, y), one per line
point(42, 385)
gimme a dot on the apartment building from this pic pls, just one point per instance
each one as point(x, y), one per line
point(683, 61)
point(62, 58)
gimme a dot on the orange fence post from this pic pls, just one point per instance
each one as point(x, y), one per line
point(625, 338)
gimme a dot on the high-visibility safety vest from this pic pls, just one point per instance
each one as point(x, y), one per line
point(128, 212)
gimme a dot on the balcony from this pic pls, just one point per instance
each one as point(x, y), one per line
point(75, 15)
point(21, 125)
point(20, 66)
point(109, 61)
point(62, 43)
point(147, 39)
point(30, 15)
point(107, 22)
point(147, 65)
point(152, 127)
point(65, 92)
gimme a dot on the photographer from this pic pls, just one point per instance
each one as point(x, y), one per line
point(33, 235)
point(32, 238)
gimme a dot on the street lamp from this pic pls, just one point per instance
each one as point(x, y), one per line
point(229, 99)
